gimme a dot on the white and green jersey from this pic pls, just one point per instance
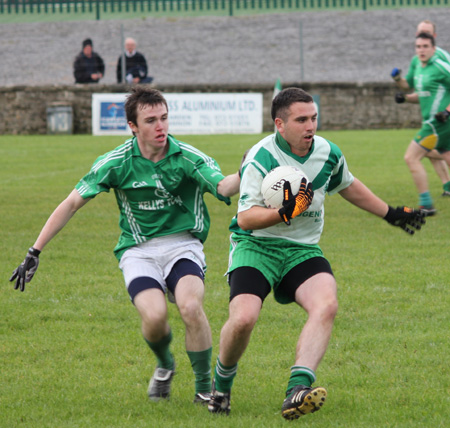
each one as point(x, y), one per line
point(325, 167)
point(440, 53)
point(155, 199)
point(432, 84)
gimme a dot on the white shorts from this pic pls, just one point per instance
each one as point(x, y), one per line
point(155, 258)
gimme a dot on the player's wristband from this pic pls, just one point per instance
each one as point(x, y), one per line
point(34, 251)
point(389, 215)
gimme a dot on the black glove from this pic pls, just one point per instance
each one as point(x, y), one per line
point(295, 205)
point(26, 270)
point(400, 98)
point(407, 218)
point(442, 116)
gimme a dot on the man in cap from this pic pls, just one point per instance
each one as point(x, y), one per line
point(88, 66)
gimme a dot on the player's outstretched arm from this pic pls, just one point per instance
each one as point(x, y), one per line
point(360, 195)
point(229, 186)
point(406, 218)
point(58, 219)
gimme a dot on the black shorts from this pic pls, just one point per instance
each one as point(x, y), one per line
point(248, 280)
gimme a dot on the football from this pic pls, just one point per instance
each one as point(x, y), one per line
point(272, 185)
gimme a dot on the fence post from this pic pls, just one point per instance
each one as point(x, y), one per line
point(97, 12)
point(230, 10)
point(302, 73)
point(122, 47)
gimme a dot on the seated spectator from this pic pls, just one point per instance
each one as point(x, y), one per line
point(88, 66)
point(135, 65)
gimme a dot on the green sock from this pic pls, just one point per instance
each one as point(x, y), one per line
point(447, 186)
point(162, 352)
point(300, 376)
point(224, 376)
point(425, 200)
point(201, 365)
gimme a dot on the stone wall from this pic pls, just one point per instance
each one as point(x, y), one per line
point(23, 109)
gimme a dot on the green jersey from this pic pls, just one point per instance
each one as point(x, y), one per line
point(432, 84)
point(155, 199)
point(325, 167)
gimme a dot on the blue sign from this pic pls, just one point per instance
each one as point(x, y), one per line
point(112, 116)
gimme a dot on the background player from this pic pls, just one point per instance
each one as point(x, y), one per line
point(438, 162)
point(431, 83)
point(159, 184)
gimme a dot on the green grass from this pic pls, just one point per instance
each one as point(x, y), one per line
point(70, 345)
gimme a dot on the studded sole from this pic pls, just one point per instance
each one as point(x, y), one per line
point(312, 402)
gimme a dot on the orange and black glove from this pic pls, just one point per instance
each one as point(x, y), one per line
point(295, 205)
point(406, 218)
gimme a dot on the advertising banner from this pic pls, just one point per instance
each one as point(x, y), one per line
point(189, 113)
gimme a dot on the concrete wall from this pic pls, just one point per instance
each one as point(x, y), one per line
point(23, 109)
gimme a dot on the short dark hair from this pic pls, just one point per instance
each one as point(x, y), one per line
point(428, 36)
point(86, 42)
point(287, 97)
point(140, 97)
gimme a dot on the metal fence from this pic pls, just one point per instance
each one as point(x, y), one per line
point(101, 8)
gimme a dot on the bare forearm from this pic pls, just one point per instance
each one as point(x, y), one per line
point(412, 98)
point(361, 196)
point(258, 218)
point(402, 84)
point(229, 186)
point(59, 218)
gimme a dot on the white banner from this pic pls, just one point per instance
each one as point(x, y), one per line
point(189, 113)
point(217, 113)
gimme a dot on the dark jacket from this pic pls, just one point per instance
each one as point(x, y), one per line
point(135, 65)
point(83, 67)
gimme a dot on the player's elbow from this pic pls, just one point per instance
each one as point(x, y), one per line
point(243, 222)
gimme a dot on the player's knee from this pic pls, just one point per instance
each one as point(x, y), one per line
point(152, 319)
point(191, 310)
point(153, 328)
point(331, 309)
point(244, 321)
point(408, 158)
point(152, 316)
point(326, 311)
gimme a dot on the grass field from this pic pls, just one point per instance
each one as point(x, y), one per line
point(71, 353)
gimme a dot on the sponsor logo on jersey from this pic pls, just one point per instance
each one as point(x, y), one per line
point(137, 184)
point(317, 215)
point(164, 196)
